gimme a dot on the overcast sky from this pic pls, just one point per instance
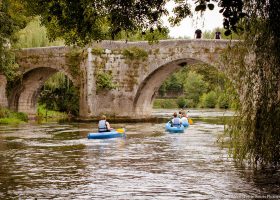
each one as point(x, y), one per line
point(209, 21)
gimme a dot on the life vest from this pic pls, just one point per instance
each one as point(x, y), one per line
point(102, 126)
point(176, 121)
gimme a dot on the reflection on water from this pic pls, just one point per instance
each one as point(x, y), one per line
point(57, 161)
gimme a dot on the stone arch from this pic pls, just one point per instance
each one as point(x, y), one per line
point(148, 88)
point(24, 95)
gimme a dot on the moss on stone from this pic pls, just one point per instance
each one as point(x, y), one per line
point(97, 51)
point(104, 81)
point(135, 53)
point(73, 59)
point(34, 59)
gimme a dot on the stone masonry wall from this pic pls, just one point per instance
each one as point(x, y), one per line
point(3, 97)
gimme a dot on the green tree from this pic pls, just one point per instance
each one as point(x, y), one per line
point(255, 134)
point(12, 19)
point(34, 35)
point(82, 22)
point(223, 101)
point(194, 87)
point(208, 100)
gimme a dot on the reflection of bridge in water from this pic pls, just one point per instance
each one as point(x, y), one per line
point(137, 68)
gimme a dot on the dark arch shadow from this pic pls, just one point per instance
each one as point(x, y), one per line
point(24, 95)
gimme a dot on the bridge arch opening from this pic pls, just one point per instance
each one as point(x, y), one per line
point(149, 88)
point(27, 91)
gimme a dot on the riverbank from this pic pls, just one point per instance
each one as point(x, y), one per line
point(9, 117)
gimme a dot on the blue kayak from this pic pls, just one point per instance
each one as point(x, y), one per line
point(174, 129)
point(107, 135)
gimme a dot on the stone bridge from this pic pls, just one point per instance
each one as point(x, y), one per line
point(137, 69)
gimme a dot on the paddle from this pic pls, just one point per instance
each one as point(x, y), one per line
point(190, 120)
point(120, 130)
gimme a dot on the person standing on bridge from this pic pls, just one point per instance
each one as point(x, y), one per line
point(198, 34)
point(103, 125)
point(218, 35)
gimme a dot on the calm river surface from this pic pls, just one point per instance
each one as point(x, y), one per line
point(57, 161)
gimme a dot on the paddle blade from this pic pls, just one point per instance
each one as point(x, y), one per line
point(190, 121)
point(120, 130)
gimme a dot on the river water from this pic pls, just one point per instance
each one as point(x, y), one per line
point(57, 161)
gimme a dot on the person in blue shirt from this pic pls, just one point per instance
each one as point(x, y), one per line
point(103, 125)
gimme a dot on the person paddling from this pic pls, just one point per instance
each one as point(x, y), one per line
point(103, 125)
point(176, 121)
point(184, 118)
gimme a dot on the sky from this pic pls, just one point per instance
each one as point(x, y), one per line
point(209, 21)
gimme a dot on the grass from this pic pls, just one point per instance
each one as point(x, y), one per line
point(10, 121)
point(9, 117)
point(42, 112)
point(165, 103)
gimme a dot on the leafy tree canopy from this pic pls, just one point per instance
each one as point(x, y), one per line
point(12, 19)
point(80, 22)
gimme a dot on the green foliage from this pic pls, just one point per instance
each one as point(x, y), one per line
point(208, 100)
point(190, 103)
point(97, 51)
point(254, 64)
point(172, 84)
point(10, 121)
point(74, 58)
point(211, 34)
point(165, 103)
point(59, 94)
point(151, 35)
point(195, 86)
point(34, 35)
point(12, 19)
point(181, 102)
point(82, 22)
point(104, 81)
point(198, 80)
point(135, 53)
point(223, 101)
point(43, 112)
point(9, 117)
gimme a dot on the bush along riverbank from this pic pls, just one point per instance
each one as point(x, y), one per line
point(45, 114)
point(10, 117)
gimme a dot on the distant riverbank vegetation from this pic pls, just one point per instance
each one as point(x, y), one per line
point(197, 86)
